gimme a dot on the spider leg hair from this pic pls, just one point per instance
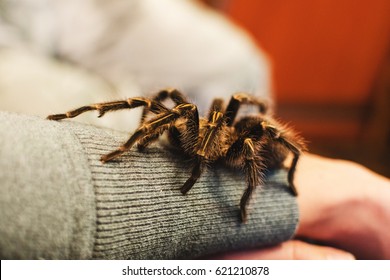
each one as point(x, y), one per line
point(187, 140)
point(142, 131)
point(176, 96)
point(238, 100)
point(252, 172)
point(296, 147)
point(195, 174)
point(102, 108)
point(216, 121)
point(216, 105)
point(161, 123)
point(148, 139)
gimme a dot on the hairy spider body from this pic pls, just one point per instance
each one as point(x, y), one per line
point(253, 143)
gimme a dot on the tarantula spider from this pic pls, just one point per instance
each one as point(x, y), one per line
point(252, 143)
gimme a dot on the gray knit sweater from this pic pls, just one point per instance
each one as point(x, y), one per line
point(58, 201)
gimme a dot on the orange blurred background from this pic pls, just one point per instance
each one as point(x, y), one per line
point(331, 70)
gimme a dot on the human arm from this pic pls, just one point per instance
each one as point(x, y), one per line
point(58, 201)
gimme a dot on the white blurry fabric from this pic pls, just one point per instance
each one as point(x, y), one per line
point(61, 54)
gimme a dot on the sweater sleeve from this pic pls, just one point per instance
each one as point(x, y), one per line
point(58, 201)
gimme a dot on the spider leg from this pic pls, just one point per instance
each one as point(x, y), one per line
point(216, 105)
point(102, 108)
point(252, 173)
point(244, 153)
point(188, 140)
point(295, 147)
point(160, 123)
point(176, 96)
point(204, 149)
point(215, 123)
point(147, 140)
point(195, 174)
point(239, 99)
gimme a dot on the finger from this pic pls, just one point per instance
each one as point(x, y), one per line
point(291, 250)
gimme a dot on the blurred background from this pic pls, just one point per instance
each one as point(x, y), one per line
point(331, 70)
point(330, 61)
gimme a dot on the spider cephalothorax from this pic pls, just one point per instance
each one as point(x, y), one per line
point(253, 144)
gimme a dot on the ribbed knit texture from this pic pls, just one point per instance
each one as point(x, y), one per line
point(142, 214)
point(59, 201)
point(47, 202)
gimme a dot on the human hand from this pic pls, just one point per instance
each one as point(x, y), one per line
point(344, 205)
point(290, 250)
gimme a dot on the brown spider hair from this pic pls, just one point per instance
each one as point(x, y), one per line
point(252, 143)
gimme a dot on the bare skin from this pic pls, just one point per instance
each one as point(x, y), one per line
point(342, 205)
